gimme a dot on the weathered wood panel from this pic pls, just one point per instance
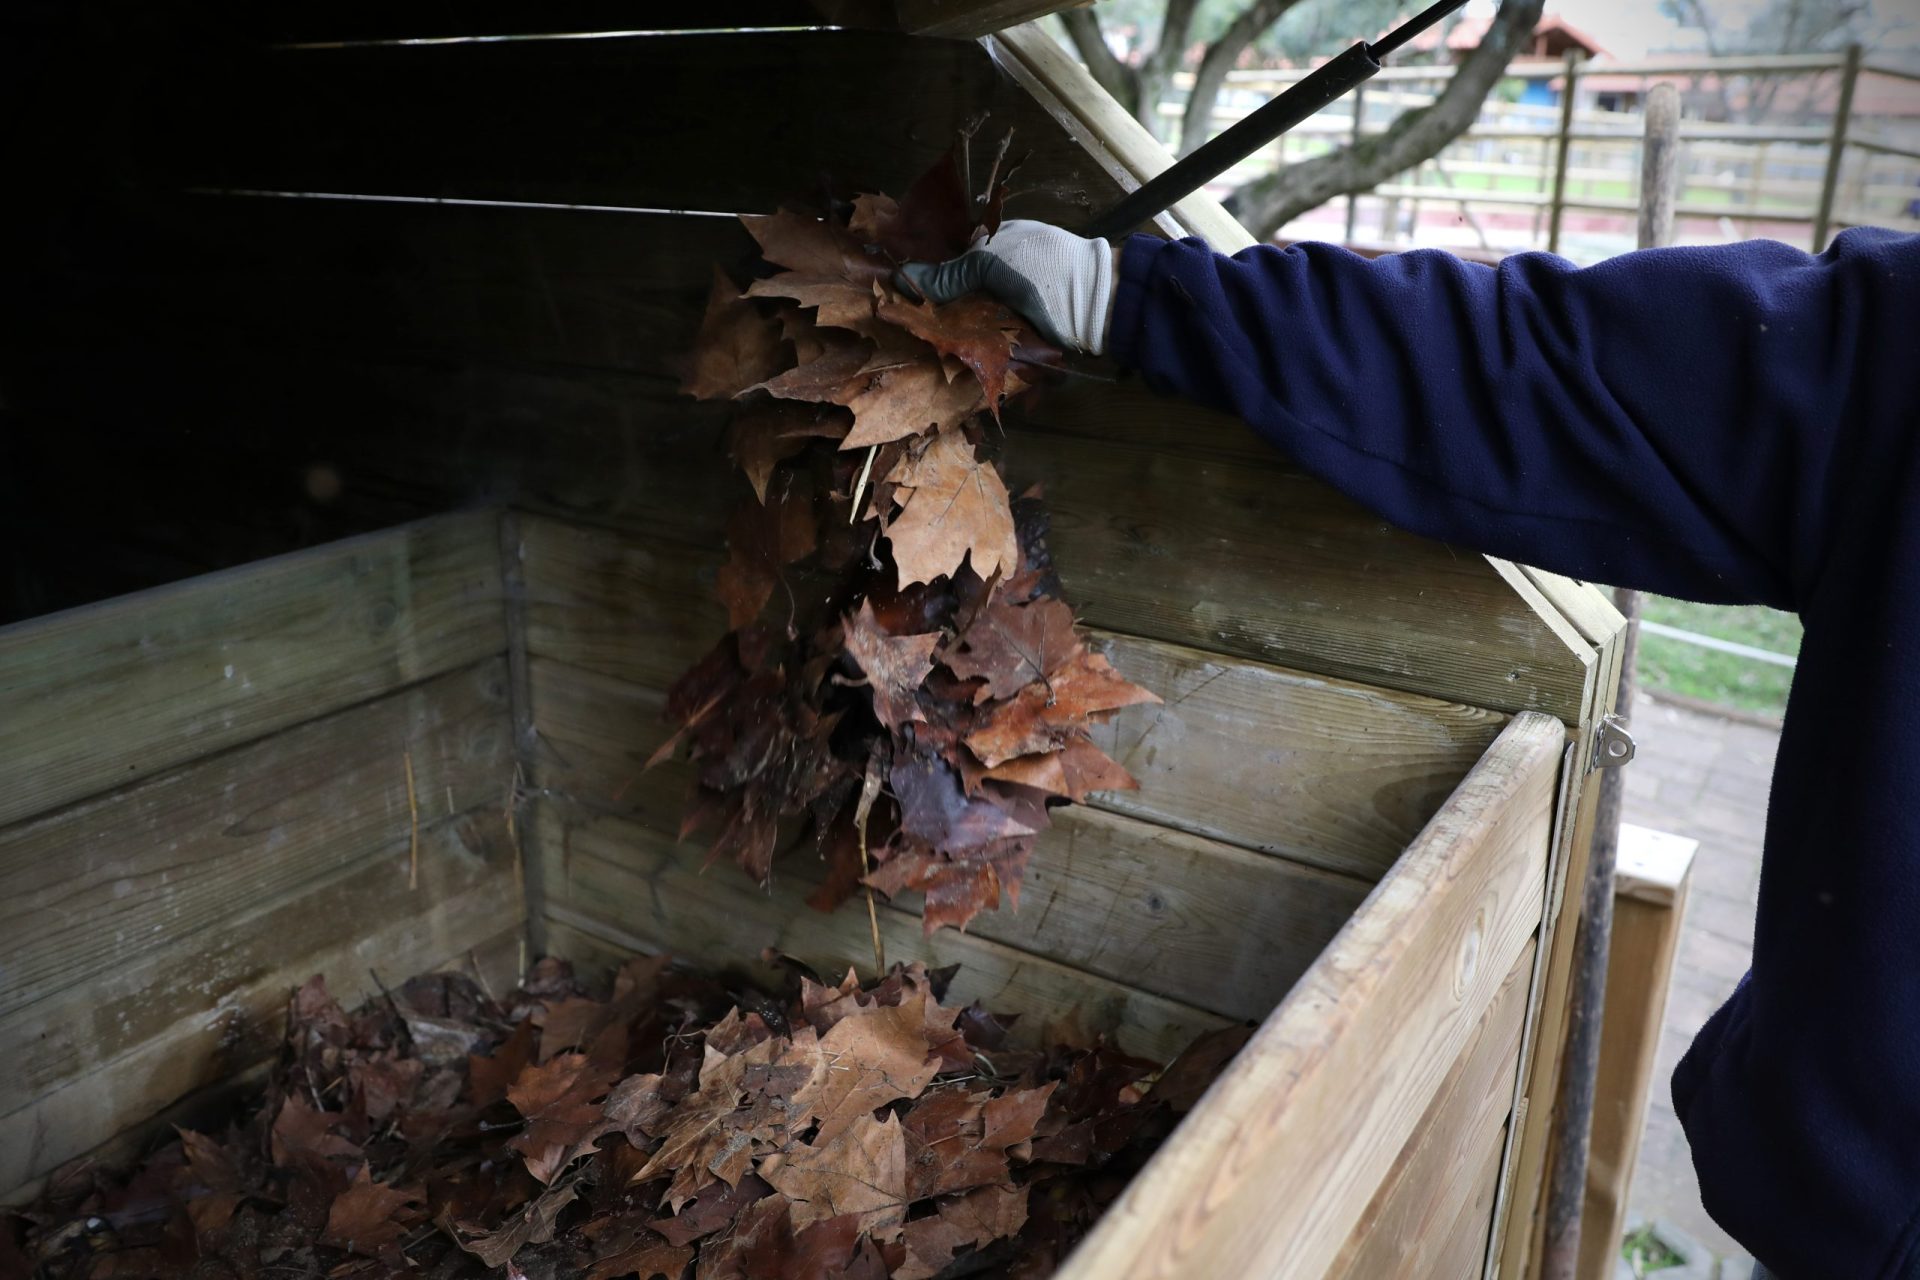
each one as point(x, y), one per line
point(1405, 1227)
point(621, 121)
point(1221, 545)
point(1351, 1060)
point(1463, 1256)
point(88, 889)
point(1192, 919)
point(1325, 772)
point(109, 694)
point(625, 882)
point(229, 993)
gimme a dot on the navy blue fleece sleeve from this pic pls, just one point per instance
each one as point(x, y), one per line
point(1671, 420)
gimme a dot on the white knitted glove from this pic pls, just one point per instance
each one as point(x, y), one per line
point(1061, 283)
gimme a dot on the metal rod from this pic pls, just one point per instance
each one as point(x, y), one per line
point(1567, 1187)
point(1557, 205)
point(1325, 85)
point(1836, 149)
point(1359, 113)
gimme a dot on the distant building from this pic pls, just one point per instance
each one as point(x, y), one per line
point(1551, 39)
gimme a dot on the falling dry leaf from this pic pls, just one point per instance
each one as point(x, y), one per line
point(895, 666)
point(737, 347)
point(954, 508)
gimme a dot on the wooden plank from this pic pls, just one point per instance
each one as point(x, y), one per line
point(1325, 772)
point(1195, 920)
point(1464, 1253)
point(359, 921)
point(368, 20)
point(562, 121)
point(89, 889)
point(1221, 546)
point(1065, 87)
point(1646, 934)
point(619, 290)
point(1281, 1157)
point(113, 693)
point(635, 887)
point(1406, 1226)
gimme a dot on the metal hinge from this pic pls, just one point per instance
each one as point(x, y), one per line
point(1612, 744)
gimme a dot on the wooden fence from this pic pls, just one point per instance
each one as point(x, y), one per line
point(1798, 182)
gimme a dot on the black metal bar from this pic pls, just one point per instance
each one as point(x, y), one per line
point(1327, 84)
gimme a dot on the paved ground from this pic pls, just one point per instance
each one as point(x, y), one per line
point(1706, 777)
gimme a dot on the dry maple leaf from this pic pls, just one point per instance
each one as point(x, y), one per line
point(632, 1250)
point(534, 1223)
point(737, 347)
point(931, 223)
point(368, 1215)
point(1076, 771)
point(861, 1171)
point(895, 666)
point(976, 330)
point(836, 301)
point(953, 508)
point(812, 246)
point(1011, 645)
point(560, 1100)
point(1042, 716)
point(874, 1056)
point(908, 400)
point(969, 1221)
point(762, 436)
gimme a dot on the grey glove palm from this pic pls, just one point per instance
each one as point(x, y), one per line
point(1061, 282)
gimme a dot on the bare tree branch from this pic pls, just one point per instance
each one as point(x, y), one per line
point(1211, 75)
point(1113, 75)
point(1265, 204)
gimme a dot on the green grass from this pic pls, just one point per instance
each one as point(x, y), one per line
point(1723, 678)
point(1645, 1253)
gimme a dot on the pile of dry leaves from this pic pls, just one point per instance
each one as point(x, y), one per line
point(902, 674)
point(673, 1128)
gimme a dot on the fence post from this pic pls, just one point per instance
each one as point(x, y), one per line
point(1836, 149)
point(1559, 203)
point(1353, 197)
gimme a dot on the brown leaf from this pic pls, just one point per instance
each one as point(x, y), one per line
point(301, 1133)
point(534, 1223)
point(639, 1253)
point(559, 1099)
point(736, 348)
point(835, 376)
point(762, 436)
point(957, 888)
point(761, 538)
point(1076, 770)
point(711, 1134)
point(934, 807)
point(907, 400)
point(874, 1056)
point(635, 1108)
point(711, 1210)
point(969, 1221)
point(489, 1078)
point(368, 1215)
point(812, 246)
point(1190, 1075)
point(838, 302)
point(976, 330)
point(1044, 715)
point(931, 223)
point(1011, 645)
point(954, 507)
point(210, 1162)
point(895, 666)
point(861, 1170)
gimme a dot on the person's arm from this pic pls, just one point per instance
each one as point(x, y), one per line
point(1677, 420)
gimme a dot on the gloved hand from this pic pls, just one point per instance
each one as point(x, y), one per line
point(1060, 282)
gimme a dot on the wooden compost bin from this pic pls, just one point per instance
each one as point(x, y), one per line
point(1360, 804)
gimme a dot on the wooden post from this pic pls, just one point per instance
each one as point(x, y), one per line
point(1566, 1188)
point(1649, 903)
point(1836, 148)
point(1559, 203)
point(1353, 197)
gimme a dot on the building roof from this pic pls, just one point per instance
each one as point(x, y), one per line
point(1467, 33)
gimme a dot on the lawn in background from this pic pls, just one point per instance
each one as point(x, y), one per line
point(1709, 675)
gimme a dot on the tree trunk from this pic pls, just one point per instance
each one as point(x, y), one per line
point(1265, 204)
point(1211, 75)
point(1113, 75)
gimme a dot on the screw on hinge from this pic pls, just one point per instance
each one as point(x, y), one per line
point(1612, 744)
